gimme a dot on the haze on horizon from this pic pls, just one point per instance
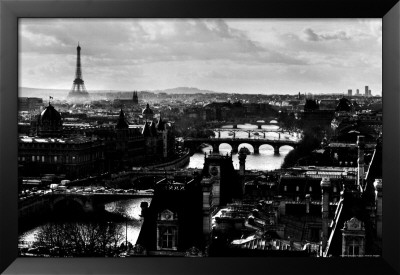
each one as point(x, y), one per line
point(271, 56)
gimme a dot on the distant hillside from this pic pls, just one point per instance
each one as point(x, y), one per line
point(42, 93)
point(184, 90)
point(61, 94)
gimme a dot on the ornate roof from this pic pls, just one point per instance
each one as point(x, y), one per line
point(50, 116)
point(146, 130)
point(147, 111)
point(122, 123)
point(344, 105)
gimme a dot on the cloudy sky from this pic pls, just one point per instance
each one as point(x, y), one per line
point(223, 55)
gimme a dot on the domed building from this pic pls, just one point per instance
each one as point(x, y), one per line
point(49, 151)
point(49, 123)
point(159, 141)
point(147, 113)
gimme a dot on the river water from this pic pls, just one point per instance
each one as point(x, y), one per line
point(265, 160)
point(128, 208)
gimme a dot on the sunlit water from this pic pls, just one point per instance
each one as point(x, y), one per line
point(265, 160)
point(128, 208)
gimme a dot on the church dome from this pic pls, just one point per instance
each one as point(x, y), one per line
point(49, 122)
point(147, 111)
point(50, 116)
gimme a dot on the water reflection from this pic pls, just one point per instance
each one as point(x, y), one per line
point(130, 209)
point(265, 160)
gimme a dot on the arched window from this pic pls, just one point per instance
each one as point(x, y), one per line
point(297, 188)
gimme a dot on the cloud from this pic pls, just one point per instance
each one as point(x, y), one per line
point(124, 42)
point(310, 35)
point(219, 53)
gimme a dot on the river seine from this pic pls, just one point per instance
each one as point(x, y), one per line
point(265, 160)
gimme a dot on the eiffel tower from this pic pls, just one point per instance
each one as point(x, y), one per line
point(78, 90)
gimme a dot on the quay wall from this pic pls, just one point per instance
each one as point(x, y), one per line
point(174, 164)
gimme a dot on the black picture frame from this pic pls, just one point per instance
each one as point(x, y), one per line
point(388, 10)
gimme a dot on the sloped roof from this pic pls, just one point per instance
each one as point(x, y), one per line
point(122, 123)
point(146, 130)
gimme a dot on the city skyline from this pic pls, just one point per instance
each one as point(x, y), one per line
point(223, 55)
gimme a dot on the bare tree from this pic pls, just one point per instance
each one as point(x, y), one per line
point(88, 239)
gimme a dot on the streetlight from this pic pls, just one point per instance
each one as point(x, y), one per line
point(126, 231)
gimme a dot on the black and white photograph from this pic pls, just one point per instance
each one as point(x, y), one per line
point(145, 137)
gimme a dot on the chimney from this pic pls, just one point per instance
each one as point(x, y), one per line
point(378, 201)
point(360, 160)
point(325, 188)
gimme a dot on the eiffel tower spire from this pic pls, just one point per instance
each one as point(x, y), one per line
point(78, 90)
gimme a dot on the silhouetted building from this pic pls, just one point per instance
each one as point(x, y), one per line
point(312, 116)
point(49, 152)
point(173, 222)
point(29, 103)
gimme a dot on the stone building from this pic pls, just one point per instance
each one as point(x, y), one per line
point(49, 152)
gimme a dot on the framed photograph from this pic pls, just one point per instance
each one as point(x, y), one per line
point(138, 137)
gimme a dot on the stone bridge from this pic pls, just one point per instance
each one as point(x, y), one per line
point(248, 131)
point(194, 143)
point(256, 121)
point(85, 202)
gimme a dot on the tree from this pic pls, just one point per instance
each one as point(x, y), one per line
point(79, 239)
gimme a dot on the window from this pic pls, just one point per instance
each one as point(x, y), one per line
point(334, 189)
point(167, 238)
point(55, 158)
point(353, 249)
point(285, 188)
point(42, 158)
point(33, 158)
point(297, 188)
point(310, 188)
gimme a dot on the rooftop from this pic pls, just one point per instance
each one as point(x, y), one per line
point(27, 139)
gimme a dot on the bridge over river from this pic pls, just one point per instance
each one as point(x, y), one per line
point(82, 201)
point(254, 132)
point(194, 143)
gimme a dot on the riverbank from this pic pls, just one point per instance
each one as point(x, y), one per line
point(172, 165)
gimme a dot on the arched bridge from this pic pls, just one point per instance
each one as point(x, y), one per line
point(85, 202)
point(249, 131)
point(194, 143)
point(255, 121)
